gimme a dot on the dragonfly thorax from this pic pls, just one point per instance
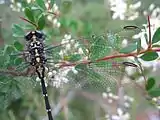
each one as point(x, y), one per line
point(35, 47)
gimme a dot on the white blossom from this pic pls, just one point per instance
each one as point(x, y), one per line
point(60, 78)
point(120, 115)
point(124, 43)
point(68, 46)
point(107, 117)
point(55, 8)
point(50, 74)
point(104, 95)
point(49, 17)
point(28, 1)
point(47, 4)
point(128, 98)
point(67, 36)
point(37, 79)
point(58, 25)
point(136, 5)
point(76, 45)
point(61, 53)
point(126, 104)
point(74, 70)
point(115, 97)
point(110, 101)
point(12, 1)
point(108, 89)
point(55, 21)
point(119, 8)
point(19, 5)
point(54, 72)
point(110, 94)
point(72, 41)
point(80, 51)
point(151, 7)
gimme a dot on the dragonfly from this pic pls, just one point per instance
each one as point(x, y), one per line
point(74, 64)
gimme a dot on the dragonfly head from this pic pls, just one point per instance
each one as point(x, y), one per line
point(39, 35)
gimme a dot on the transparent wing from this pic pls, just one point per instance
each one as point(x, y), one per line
point(96, 77)
point(88, 76)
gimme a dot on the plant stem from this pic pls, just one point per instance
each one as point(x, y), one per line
point(134, 54)
point(29, 21)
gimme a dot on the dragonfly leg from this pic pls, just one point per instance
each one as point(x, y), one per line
point(20, 53)
point(23, 65)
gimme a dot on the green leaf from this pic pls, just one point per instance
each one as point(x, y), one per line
point(17, 30)
point(18, 61)
point(149, 56)
point(29, 27)
point(156, 36)
point(41, 4)
point(87, 28)
point(155, 46)
point(114, 40)
point(146, 38)
point(74, 58)
point(52, 3)
point(155, 92)
point(18, 45)
point(130, 48)
point(138, 45)
point(73, 25)
point(2, 60)
point(150, 83)
point(29, 14)
point(12, 59)
point(66, 6)
point(99, 48)
point(41, 22)
point(9, 49)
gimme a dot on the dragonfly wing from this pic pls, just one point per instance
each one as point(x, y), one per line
point(95, 77)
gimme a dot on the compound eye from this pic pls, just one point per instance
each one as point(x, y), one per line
point(39, 34)
point(28, 36)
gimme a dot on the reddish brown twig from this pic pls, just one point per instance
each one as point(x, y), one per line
point(112, 57)
point(29, 72)
point(29, 21)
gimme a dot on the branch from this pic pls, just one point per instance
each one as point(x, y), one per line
point(29, 21)
point(111, 57)
point(28, 72)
